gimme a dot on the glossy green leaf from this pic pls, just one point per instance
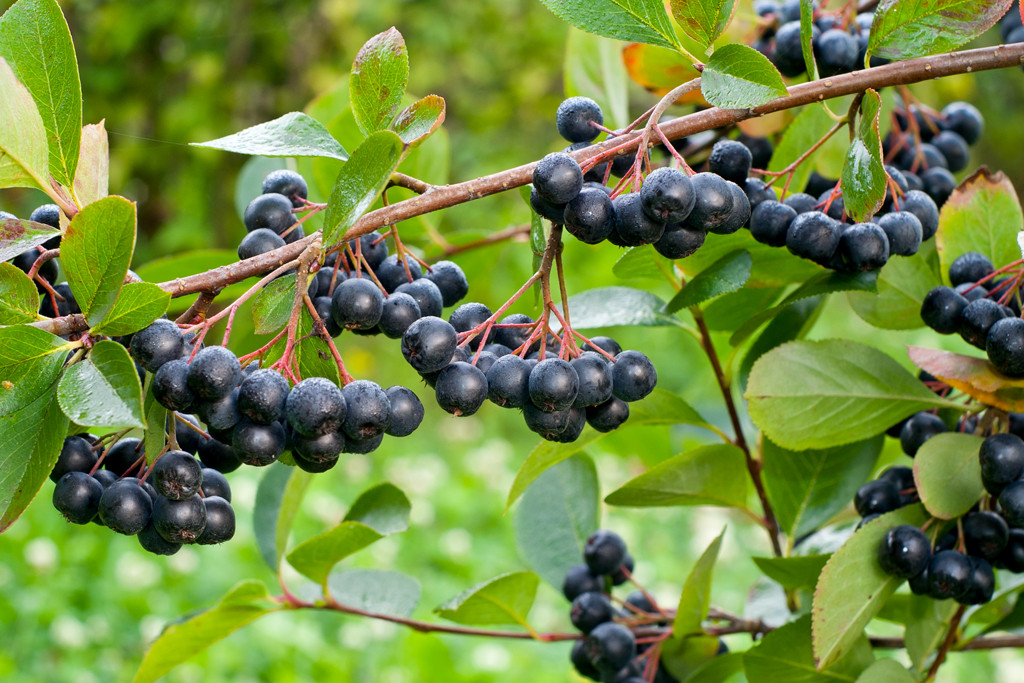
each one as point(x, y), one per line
point(809, 126)
point(610, 306)
point(902, 30)
point(30, 361)
point(983, 214)
point(272, 305)
point(30, 442)
point(808, 488)
point(927, 623)
point(739, 77)
point(729, 312)
point(948, 474)
point(36, 42)
point(243, 604)
point(792, 573)
point(642, 262)
point(103, 390)
point(593, 68)
point(278, 497)
point(420, 119)
point(827, 393)
point(505, 599)
point(383, 508)
point(791, 323)
point(853, 587)
point(293, 135)
point(138, 304)
point(688, 647)
point(380, 73)
point(19, 299)
point(703, 20)
point(902, 285)
point(17, 236)
point(725, 668)
point(660, 408)
point(725, 275)
point(373, 590)
point(559, 511)
point(807, 38)
point(24, 156)
point(640, 21)
point(95, 253)
point(784, 655)
point(886, 671)
point(707, 475)
point(359, 182)
point(863, 179)
point(92, 178)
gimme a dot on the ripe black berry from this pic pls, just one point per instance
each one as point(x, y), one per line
point(836, 51)
point(595, 377)
point(547, 424)
point(259, 242)
point(467, 317)
point(66, 305)
point(801, 202)
point(1011, 504)
point(77, 497)
point(969, 267)
point(903, 479)
point(608, 415)
point(981, 583)
point(590, 610)
point(667, 195)
point(218, 455)
point(363, 446)
point(985, 534)
point(214, 373)
point(948, 574)
point(632, 225)
point(406, 411)
point(713, 204)
point(215, 484)
point(604, 552)
point(398, 312)
point(1002, 461)
point(814, 236)
point(740, 214)
point(461, 389)
point(864, 246)
point(590, 216)
point(76, 455)
point(964, 119)
point(919, 428)
point(942, 308)
point(977, 319)
point(122, 455)
point(769, 222)
point(323, 449)
point(179, 521)
point(679, 241)
point(315, 406)
point(177, 475)
point(939, 184)
point(357, 304)
point(553, 212)
point(125, 507)
point(512, 337)
point(151, 541)
point(1013, 554)
point(876, 497)
point(450, 279)
point(574, 117)
point(954, 148)
point(1005, 346)
point(904, 232)
point(788, 55)
point(220, 521)
point(47, 214)
point(393, 272)
point(553, 385)
point(222, 414)
point(157, 344)
point(580, 658)
point(170, 385)
point(287, 182)
point(426, 293)
point(579, 580)
point(904, 552)
point(611, 646)
point(258, 445)
point(369, 411)
point(272, 211)
point(731, 160)
point(757, 191)
point(262, 396)
point(557, 178)
point(633, 376)
point(428, 344)
point(508, 382)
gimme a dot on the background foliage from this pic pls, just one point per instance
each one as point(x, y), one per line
point(79, 604)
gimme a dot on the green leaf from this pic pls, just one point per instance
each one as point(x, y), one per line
point(359, 182)
point(707, 475)
point(853, 587)
point(792, 573)
point(902, 285)
point(593, 68)
point(983, 214)
point(784, 656)
point(505, 599)
point(610, 306)
point(726, 668)
point(278, 497)
point(138, 304)
point(772, 267)
point(30, 442)
point(95, 253)
point(293, 135)
point(92, 177)
point(639, 21)
point(272, 306)
point(660, 408)
point(24, 157)
point(559, 511)
point(725, 275)
point(808, 488)
point(688, 647)
point(826, 393)
point(792, 322)
point(901, 30)
point(378, 511)
point(19, 298)
point(863, 180)
point(642, 262)
point(373, 590)
point(103, 390)
point(825, 282)
point(947, 473)
point(243, 604)
point(17, 236)
point(739, 77)
point(886, 671)
point(727, 313)
point(30, 361)
point(927, 622)
point(704, 20)
point(380, 74)
point(36, 42)
point(157, 424)
point(420, 119)
point(809, 126)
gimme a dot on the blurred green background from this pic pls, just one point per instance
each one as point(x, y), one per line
point(80, 604)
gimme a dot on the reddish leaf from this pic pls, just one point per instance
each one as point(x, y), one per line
point(974, 376)
point(659, 70)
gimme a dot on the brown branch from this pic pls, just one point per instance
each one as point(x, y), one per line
point(63, 326)
point(409, 183)
point(947, 643)
point(197, 311)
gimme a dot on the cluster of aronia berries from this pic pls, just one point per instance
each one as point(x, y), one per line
point(960, 565)
point(609, 649)
point(255, 412)
point(174, 502)
point(928, 147)
point(60, 301)
point(558, 397)
point(840, 45)
point(982, 307)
